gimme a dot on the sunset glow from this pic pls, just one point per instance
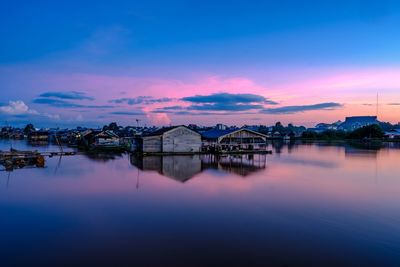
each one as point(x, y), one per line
point(318, 66)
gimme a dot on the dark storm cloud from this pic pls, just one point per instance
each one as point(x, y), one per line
point(58, 103)
point(127, 113)
point(71, 95)
point(302, 108)
point(141, 100)
point(225, 107)
point(220, 102)
point(227, 98)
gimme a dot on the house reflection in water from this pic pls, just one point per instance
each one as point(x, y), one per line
point(182, 167)
point(178, 167)
point(241, 164)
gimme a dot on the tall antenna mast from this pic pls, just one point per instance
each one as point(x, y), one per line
point(377, 105)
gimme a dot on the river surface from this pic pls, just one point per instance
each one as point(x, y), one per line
point(304, 205)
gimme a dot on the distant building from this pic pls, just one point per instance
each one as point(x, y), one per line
point(328, 126)
point(277, 135)
point(252, 127)
point(193, 127)
point(353, 123)
point(220, 126)
point(172, 140)
point(393, 134)
point(39, 136)
point(233, 139)
point(106, 139)
point(84, 139)
point(17, 134)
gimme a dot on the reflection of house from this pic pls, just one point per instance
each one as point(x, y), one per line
point(39, 136)
point(104, 156)
point(172, 139)
point(233, 140)
point(177, 167)
point(106, 139)
point(241, 164)
point(353, 123)
point(184, 167)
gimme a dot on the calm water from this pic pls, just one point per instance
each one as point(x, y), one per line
point(304, 205)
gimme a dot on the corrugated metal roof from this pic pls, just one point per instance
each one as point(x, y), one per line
point(215, 133)
point(361, 119)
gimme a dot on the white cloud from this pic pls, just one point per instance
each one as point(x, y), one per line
point(17, 107)
point(52, 116)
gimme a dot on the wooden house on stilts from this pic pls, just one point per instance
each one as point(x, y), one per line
point(231, 140)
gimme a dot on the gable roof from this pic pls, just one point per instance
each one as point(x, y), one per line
point(215, 133)
point(87, 132)
point(107, 134)
point(393, 131)
point(361, 119)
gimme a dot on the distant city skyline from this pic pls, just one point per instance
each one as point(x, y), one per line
point(232, 62)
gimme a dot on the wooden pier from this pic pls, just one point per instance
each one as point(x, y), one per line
point(17, 159)
point(222, 152)
point(14, 159)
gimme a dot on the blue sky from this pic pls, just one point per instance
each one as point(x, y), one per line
point(71, 46)
point(169, 28)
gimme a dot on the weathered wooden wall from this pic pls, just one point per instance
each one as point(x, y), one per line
point(181, 139)
point(152, 144)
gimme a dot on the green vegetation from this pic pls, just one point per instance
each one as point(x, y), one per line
point(373, 131)
point(325, 135)
point(370, 131)
point(290, 130)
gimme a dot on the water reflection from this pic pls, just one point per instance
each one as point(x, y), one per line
point(278, 146)
point(183, 168)
point(180, 168)
point(320, 204)
point(104, 156)
point(351, 151)
point(242, 165)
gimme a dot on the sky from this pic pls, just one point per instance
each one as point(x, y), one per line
point(70, 63)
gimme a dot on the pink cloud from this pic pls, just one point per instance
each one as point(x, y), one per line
point(352, 87)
